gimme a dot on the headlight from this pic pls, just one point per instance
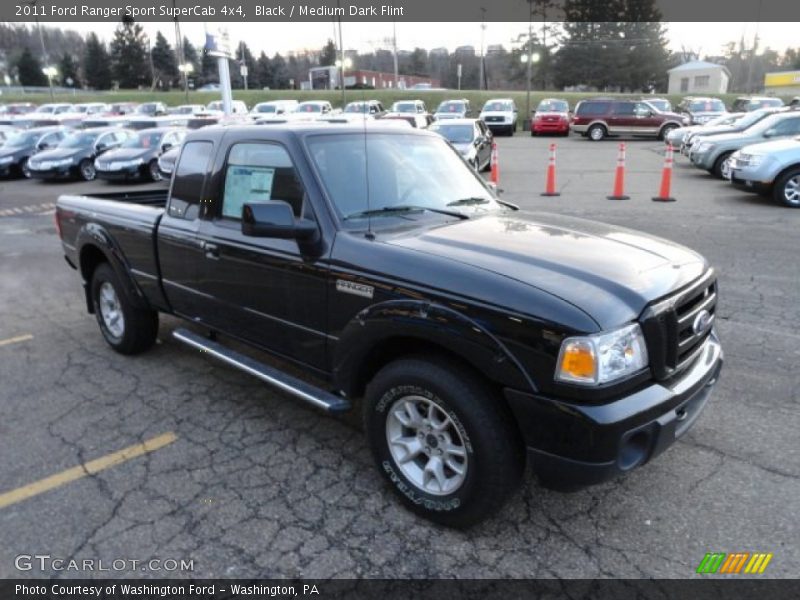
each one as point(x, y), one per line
point(602, 357)
point(6, 160)
point(61, 163)
point(756, 160)
point(703, 147)
point(132, 163)
point(686, 120)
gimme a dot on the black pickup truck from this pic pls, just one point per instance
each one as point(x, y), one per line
point(473, 336)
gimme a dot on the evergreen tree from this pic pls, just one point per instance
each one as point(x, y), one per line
point(68, 71)
point(96, 64)
point(263, 73)
point(165, 65)
point(29, 69)
point(328, 57)
point(280, 73)
point(130, 64)
point(190, 56)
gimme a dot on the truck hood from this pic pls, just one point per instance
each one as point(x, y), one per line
point(609, 272)
point(725, 138)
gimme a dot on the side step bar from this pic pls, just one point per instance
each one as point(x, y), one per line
point(300, 389)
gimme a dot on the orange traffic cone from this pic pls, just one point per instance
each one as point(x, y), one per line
point(550, 185)
point(666, 178)
point(494, 177)
point(619, 178)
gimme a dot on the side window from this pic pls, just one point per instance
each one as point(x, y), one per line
point(641, 109)
point(259, 172)
point(623, 109)
point(187, 184)
point(787, 127)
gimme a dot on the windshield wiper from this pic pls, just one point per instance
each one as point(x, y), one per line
point(468, 201)
point(388, 210)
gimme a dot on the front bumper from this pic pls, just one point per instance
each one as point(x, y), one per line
point(550, 127)
point(577, 445)
point(750, 180)
point(704, 160)
point(66, 172)
point(120, 174)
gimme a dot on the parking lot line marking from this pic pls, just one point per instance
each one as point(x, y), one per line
point(89, 468)
point(15, 340)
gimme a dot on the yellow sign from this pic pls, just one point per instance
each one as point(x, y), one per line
point(785, 78)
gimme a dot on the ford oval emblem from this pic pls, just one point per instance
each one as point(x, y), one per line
point(702, 322)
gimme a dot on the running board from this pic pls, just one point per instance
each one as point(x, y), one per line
point(291, 385)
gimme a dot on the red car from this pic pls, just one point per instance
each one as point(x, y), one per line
point(551, 116)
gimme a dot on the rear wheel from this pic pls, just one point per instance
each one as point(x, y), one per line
point(127, 328)
point(787, 189)
point(445, 444)
point(24, 169)
point(666, 130)
point(87, 170)
point(596, 133)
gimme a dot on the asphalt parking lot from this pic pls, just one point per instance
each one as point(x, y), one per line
point(246, 482)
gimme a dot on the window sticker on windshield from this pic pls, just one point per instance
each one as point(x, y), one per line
point(246, 184)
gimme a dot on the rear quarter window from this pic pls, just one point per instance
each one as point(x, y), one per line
point(190, 176)
point(592, 108)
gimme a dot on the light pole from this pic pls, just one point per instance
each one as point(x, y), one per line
point(343, 65)
point(186, 69)
point(482, 75)
point(51, 72)
point(529, 59)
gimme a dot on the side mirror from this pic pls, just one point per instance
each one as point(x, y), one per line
point(165, 147)
point(275, 219)
point(101, 147)
point(770, 133)
point(42, 146)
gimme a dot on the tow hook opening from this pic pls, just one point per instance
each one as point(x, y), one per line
point(634, 450)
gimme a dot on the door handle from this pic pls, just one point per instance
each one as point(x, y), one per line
point(211, 251)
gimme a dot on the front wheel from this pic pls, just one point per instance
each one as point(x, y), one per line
point(718, 170)
point(787, 189)
point(25, 169)
point(127, 328)
point(445, 444)
point(666, 130)
point(87, 170)
point(153, 171)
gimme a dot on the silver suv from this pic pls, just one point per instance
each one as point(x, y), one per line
point(711, 153)
point(769, 168)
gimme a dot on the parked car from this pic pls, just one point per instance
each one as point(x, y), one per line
point(5, 132)
point(677, 137)
point(187, 109)
point(52, 109)
point(364, 108)
point(748, 120)
point(710, 153)
point(122, 108)
point(468, 333)
point(551, 116)
point(770, 168)
point(701, 110)
point(209, 87)
point(471, 137)
point(75, 155)
point(88, 109)
point(167, 160)
point(408, 106)
point(238, 107)
point(452, 109)
point(273, 108)
point(151, 109)
point(795, 101)
point(748, 103)
point(137, 157)
point(20, 147)
point(500, 115)
point(601, 117)
point(660, 104)
point(311, 109)
point(18, 108)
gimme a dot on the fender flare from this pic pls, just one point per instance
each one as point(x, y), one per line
point(95, 236)
point(423, 321)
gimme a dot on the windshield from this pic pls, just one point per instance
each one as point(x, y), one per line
point(553, 106)
point(401, 170)
point(146, 108)
point(266, 108)
point(451, 107)
point(661, 105)
point(752, 118)
point(46, 108)
point(409, 107)
point(185, 110)
point(457, 134)
point(22, 139)
point(724, 120)
point(309, 108)
point(497, 106)
point(143, 141)
point(710, 105)
point(357, 107)
point(77, 140)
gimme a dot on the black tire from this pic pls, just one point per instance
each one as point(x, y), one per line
point(86, 169)
point(153, 172)
point(139, 326)
point(786, 190)
point(493, 452)
point(716, 170)
point(596, 133)
point(533, 133)
point(23, 168)
point(665, 131)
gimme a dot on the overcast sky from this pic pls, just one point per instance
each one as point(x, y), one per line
point(705, 38)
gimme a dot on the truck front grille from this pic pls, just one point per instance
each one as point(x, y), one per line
point(677, 327)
